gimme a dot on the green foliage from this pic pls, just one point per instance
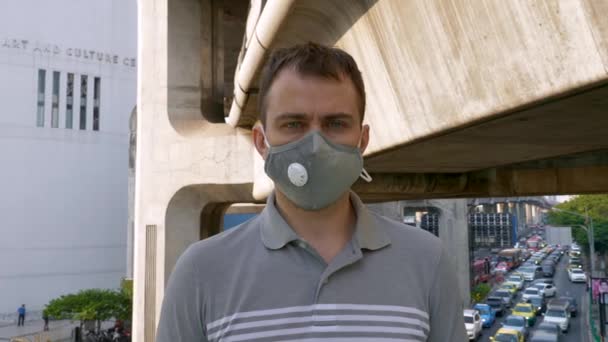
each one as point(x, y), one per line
point(596, 206)
point(126, 286)
point(92, 304)
point(479, 292)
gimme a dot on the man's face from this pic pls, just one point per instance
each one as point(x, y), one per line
point(296, 105)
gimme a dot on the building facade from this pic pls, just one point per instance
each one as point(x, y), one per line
point(68, 71)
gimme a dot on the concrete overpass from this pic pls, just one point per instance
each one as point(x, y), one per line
point(465, 99)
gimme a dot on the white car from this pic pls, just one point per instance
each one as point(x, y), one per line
point(546, 290)
point(528, 272)
point(530, 291)
point(473, 324)
point(515, 280)
point(577, 275)
point(558, 316)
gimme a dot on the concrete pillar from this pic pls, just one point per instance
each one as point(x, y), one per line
point(520, 218)
point(454, 233)
point(528, 213)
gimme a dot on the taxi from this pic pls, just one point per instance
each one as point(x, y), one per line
point(507, 335)
point(509, 287)
point(527, 311)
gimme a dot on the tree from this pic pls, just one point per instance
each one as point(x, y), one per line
point(596, 206)
point(92, 305)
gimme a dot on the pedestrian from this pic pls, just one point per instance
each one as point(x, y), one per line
point(21, 312)
point(45, 317)
point(316, 264)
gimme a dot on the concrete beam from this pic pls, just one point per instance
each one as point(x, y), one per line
point(499, 182)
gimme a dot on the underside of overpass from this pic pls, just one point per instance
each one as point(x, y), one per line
point(464, 99)
point(462, 102)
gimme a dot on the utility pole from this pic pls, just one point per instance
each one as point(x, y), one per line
point(591, 237)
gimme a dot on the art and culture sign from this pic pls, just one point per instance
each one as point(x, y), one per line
point(77, 53)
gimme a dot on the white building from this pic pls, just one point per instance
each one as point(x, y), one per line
point(67, 90)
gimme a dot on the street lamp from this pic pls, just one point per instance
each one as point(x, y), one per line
point(588, 230)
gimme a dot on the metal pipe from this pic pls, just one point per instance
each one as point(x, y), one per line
point(273, 15)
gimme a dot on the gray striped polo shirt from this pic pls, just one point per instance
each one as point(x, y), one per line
point(261, 282)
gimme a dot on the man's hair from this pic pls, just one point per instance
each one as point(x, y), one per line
point(310, 59)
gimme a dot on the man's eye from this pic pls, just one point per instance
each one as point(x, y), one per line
point(337, 124)
point(293, 124)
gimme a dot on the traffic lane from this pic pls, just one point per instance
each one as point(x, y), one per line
point(576, 332)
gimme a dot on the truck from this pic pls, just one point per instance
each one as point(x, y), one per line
point(558, 235)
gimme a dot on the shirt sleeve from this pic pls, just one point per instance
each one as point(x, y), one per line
point(181, 317)
point(446, 305)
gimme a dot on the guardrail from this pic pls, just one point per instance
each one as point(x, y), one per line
point(62, 333)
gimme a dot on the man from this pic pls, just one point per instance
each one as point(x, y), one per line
point(45, 317)
point(21, 312)
point(315, 265)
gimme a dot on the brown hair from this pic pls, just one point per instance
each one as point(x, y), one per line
point(310, 59)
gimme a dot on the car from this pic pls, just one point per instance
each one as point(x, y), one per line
point(539, 303)
point(488, 315)
point(497, 305)
point(543, 280)
point(530, 291)
point(548, 327)
point(507, 335)
point(537, 260)
point(502, 267)
point(577, 275)
point(572, 305)
point(542, 336)
point(506, 295)
point(558, 314)
point(472, 322)
point(509, 287)
point(548, 270)
point(529, 272)
point(516, 323)
point(526, 311)
point(515, 279)
point(549, 261)
point(546, 290)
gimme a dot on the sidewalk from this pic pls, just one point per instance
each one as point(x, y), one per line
point(588, 313)
point(32, 327)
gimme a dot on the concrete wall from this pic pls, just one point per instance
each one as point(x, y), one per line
point(64, 191)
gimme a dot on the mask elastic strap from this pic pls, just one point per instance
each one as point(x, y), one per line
point(364, 175)
point(265, 139)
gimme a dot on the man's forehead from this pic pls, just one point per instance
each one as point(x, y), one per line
point(309, 116)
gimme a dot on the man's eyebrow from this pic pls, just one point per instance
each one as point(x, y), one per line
point(291, 116)
point(333, 116)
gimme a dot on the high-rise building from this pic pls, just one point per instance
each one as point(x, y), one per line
point(68, 87)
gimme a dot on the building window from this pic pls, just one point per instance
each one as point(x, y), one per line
point(41, 87)
point(83, 102)
point(55, 104)
point(69, 102)
point(96, 93)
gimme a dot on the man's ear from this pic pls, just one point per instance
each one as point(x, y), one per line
point(364, 138)
point(259, 139)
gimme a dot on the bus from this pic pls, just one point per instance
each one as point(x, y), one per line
point(481, 271)
point(512, 257)
point(534, 243)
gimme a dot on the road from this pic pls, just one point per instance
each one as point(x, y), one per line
point(577, 332)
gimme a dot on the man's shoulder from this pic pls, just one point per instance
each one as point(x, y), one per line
point(226, 242)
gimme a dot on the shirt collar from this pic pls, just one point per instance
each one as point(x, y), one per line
point(276, 233)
